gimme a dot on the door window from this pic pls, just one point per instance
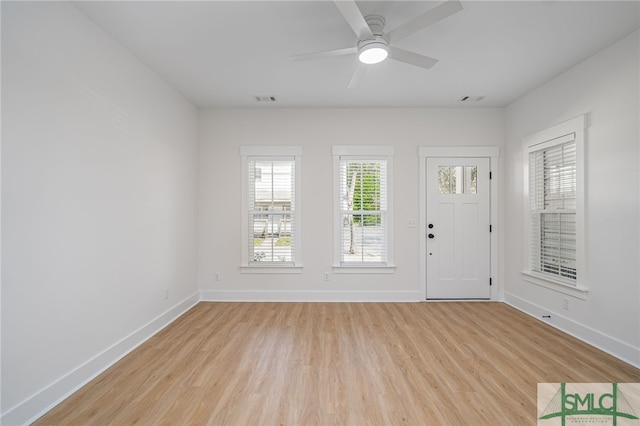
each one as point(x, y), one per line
point(458, 179)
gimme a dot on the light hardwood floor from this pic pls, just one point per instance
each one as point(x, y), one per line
point(340, 363)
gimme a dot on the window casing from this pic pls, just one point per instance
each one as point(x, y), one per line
point(271, 216)
point(363, 208)
point(554, 206)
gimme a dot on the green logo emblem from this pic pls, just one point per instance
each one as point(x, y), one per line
point(588, 405)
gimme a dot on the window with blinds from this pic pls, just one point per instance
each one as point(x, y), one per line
point(363, 211)
point(554, 214)
point(552, 203)
point(271, 205)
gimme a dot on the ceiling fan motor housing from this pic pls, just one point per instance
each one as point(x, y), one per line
point(376, 24)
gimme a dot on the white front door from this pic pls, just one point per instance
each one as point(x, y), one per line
point(458, 235)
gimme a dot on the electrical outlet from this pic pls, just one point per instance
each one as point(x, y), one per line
point(166, 293)
point(565, 303)
point(216, 276)
point(326, 276)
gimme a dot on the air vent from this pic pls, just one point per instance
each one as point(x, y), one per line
point(265, 98)
point(471, 98)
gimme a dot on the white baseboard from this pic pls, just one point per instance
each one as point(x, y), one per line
point(308, 296)
point(595, 338)
point(47, 398)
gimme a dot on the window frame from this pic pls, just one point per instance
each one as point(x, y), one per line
point(271, 153)
point(569, 131)
point(363, 153)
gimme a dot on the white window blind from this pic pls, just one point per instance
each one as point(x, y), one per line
point(363, 211)
point(552, 202)
point(271, 203)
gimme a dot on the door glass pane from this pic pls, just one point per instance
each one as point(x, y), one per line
point(470, 179)
point(444, 183)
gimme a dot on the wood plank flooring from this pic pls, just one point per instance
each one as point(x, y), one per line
point(339, 364)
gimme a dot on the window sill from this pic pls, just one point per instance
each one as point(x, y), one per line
point(267, 269)
point(559, 286)
point(364, 269)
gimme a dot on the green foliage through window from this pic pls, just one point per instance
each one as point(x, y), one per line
point(363, 182)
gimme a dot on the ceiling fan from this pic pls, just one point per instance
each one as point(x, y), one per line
point(374, 45)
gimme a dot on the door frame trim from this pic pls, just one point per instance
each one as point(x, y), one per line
point(491, 152)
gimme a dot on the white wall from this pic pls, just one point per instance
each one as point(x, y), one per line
point(98, 203)
point(223, 131)
point(605, 87)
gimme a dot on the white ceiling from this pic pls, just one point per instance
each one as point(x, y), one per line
point(225, 53)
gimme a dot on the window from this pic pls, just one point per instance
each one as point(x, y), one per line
point(271, 218)
point(363, 206)
point(555, 214)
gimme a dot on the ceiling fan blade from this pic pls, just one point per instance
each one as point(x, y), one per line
point(357, 76)
point(430, 17)
point(326, 53)
point(354, 18)
point(411, 58)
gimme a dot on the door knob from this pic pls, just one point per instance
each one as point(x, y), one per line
point(431, 236)
point(430, 225)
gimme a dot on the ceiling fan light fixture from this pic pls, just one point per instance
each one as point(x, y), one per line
point(372, 52)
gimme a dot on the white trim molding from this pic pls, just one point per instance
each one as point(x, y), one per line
point(297, 269)
point(363, 150)
point(307, 296)
point(560, 287)
point(386, 269)
point(459, 151)
point(268, 151)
